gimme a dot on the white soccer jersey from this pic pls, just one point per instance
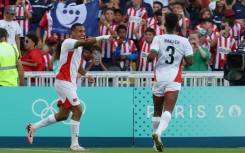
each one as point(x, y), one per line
point(69, 61)
point(171, 49)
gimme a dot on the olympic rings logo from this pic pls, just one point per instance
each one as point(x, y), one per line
point(42, 109)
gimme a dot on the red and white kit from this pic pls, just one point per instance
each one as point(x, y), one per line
point(65, 81)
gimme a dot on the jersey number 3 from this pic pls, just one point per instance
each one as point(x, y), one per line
point(171, 50)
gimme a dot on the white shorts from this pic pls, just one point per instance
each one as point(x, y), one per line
point(67, 93)
point(161, 88)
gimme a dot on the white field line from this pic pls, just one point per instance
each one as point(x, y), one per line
point(32, 150)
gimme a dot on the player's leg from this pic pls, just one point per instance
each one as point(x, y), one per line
point(76, 110)
point(158, 100)
point(158, 107)
point(171, 95)
point(170, 100)
point(75, 126)
point(63, 114)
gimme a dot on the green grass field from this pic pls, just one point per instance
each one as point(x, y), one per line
point(123, 150)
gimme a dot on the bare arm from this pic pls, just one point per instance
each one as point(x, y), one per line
point(108, 27)
point(29, 64)
point(136, 33)
point(17, 39)
point(27, 12)
point(184, 26)
point(21, 73)
point(214, 41)
point(84, 73)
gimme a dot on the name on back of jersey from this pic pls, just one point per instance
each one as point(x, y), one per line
point(171, 41)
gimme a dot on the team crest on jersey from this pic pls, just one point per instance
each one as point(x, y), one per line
point(144, 54)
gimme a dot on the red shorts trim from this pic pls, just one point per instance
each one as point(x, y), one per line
point(167, 92)
point(66, 104)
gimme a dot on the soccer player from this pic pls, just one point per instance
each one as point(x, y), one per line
point(65, 84)
point(170, 49)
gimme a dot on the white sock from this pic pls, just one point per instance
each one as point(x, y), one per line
point(155, 123)
point(74, 132)
point(165, 118)
point(44, 122)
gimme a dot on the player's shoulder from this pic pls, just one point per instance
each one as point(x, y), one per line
point(69, 40)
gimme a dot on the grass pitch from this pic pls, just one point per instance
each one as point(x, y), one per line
point(123, 150)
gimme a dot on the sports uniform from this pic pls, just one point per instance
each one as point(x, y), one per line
point(171, 49)
point(65, 82)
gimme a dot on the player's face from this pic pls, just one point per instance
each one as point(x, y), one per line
point(78, 32)
point(156, 7)
point(109, 15)
point(206, 15)
point(122, 33)
point(149, 36)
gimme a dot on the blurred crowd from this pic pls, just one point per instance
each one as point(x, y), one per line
point(214, 29)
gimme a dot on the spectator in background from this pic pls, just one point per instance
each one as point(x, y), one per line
point(156, 6)
point(10, 66)
point(158, 26)
point(200, 56)
point(13, 28)
point(183, 22)
point(123, 4)
point(23, 16)
point(145, 46)
point(118, 17)
point(147, 6)
point(4, 4)
point(194, 9)
point(92, 60)
point(33, 60)
point(205, 13)
point(224, 44)
point(237, 28)
point(218, 13)
point(50, 44)
point(210, 35)
point(134, 16)
point(39, 7)
point(124, 50)
point(47, 23)
point(107, 28)
point(239, 9)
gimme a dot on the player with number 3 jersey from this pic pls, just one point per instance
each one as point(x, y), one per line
point(170, 49)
